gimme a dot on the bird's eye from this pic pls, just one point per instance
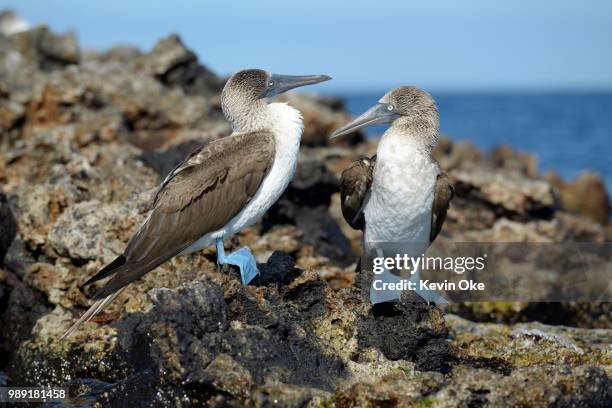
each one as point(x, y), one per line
point(390, 107)
point(270, 83)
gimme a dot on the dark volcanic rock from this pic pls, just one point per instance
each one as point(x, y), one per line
point(164, 161)
point(278, 270)
point(18, 258)
point(8, 227)
point(312, 186)
point(305, 204)
point(175, 65)
point(20, 308)
point(45, 49)
point(195, 342)
point(409, 330)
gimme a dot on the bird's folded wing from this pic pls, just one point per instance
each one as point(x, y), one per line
point(354, 187)
point(199, 196)
point(443, 194)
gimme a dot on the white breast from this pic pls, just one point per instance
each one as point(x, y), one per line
point(401, 196)
point(286, 124)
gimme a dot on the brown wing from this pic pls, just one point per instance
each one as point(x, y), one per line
point(443, 194)
point(354, 187)
point(201, 195)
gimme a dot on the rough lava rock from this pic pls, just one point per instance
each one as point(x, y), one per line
point(305, 204)
point(321, 117)
point(407, 330)
point(44, 49)
point(585, 195)
point(8, 227)
point(506, 193)
point(175, 65)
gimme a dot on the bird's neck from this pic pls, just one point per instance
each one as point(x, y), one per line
point(280, 118)
point(422, 132)
point(400, 146)
point(285, 122)
point(246, 116)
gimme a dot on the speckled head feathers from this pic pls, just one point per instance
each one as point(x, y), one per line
point(410, 100)
point(249, 83)
point(410, 111)
point(244, 97)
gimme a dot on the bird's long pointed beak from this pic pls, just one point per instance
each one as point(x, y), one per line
point(376, 114)
point(283, 83)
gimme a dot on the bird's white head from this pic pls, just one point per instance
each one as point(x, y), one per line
point(408, 108)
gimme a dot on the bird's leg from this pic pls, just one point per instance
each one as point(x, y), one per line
point(427, 294)
point(388, 295)
point(379, 291)
point(378, 295)
point(242, 258)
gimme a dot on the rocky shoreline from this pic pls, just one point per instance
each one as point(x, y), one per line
point(86, 137)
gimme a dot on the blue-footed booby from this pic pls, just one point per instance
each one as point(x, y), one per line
point(220, 188)
point(399, 197)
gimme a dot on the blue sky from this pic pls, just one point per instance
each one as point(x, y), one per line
point(365, 45)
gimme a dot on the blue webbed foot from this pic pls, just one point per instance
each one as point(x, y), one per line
point(242, 258)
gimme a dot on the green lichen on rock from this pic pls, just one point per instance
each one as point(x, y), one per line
point(529, 344)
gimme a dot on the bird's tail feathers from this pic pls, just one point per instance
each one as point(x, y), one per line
point(91, 312)
point(107, 271)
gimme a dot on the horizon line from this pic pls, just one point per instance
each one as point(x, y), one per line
point(330, 90)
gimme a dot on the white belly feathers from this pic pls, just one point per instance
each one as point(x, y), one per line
point(402, 192)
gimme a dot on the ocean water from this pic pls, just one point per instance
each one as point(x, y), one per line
point(568, 132)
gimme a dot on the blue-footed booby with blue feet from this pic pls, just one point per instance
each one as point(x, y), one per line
point(399, 197)
point(219, 189)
